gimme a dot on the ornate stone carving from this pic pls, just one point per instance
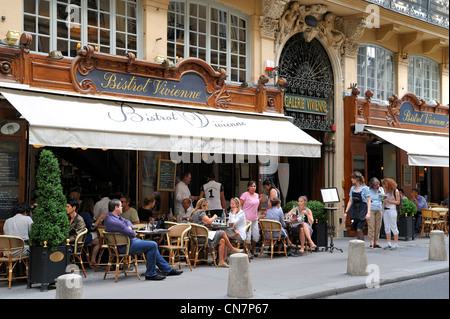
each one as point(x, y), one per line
point(314, 21)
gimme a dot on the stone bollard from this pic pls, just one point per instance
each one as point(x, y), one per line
point(239, 281)
point(357, 260)
point(69, 286)
point(437, 250)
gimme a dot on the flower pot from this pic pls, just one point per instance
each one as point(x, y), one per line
point(46, 266)
point(320, 234)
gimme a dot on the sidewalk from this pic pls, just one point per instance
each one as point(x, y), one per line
point(318, 274)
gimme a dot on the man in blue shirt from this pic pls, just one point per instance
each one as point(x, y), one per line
point(115, 223)
point(420, 203)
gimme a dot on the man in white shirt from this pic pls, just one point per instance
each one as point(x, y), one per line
point(101, 207)
point(214, 193)
point(19, 225)
point(181, 192)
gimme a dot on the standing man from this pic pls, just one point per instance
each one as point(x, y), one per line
point(181, 192)
point(115, 223)
point(101, 207)
point(129, 212)
point(420, 203)
point(214, 193)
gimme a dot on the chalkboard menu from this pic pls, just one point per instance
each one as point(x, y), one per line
point(9, 176)
point(167, 171)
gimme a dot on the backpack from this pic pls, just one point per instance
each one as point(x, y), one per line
point(399, 206)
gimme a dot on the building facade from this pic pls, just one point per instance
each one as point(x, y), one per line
point(307, 57)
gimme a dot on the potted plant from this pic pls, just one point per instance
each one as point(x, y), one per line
point(406, 219)
point(320, 226)
point(49, 250)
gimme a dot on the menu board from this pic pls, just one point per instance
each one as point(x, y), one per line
point(9, 176)
point(167, 171)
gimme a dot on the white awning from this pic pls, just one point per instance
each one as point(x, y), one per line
point(423, 148)
point(74, 121)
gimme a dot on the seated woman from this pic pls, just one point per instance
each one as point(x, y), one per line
point(276, 213)
point(305, 216)
point(145, 212)
point(220, 239)
point(237, 217)
point(87, 212)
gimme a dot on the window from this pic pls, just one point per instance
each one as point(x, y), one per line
point(211, 32)
point(423, 78)
point(110, 26)
point(376, 71)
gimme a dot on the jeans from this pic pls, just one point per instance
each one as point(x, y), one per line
point(152, 256)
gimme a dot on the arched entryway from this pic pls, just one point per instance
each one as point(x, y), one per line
point(309, 99)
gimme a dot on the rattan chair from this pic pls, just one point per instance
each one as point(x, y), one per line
point(199, 244)
point(116, 242)
point(13, 248)
point(78, 250)
point(271, 234)
point(430, 220)
point(177, 243)
point(237, 242)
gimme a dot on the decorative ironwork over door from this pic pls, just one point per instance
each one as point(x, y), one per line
point(310, 83)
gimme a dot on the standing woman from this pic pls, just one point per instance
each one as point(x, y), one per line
point(390, 211)
point(376, 212)
point(250, 204)
point(358, 205)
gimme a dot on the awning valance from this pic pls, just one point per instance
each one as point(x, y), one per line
point(74, 121)
point(423, 148)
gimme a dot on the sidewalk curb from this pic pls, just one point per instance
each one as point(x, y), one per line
point(321, 293)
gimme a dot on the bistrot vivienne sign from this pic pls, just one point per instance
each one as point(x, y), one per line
point(190, 88)
point(409, 116)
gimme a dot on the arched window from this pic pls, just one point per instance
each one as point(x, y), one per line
point(423, 78)
point(376, 71)
point(110, 26)
point(212, 32)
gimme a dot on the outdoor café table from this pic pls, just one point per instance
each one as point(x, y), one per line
point(218, 226)
point(153, 233)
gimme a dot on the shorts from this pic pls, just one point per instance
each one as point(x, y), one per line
point(358, 224)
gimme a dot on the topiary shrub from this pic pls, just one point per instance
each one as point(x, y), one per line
point(319, 213)
point(408, 208)
point(289, 205)
point(50, 224)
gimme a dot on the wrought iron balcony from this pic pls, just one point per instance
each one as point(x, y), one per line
point(432, 11)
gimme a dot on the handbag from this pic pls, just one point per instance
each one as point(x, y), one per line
point(399, 206)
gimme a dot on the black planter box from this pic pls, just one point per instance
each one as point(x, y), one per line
point(320, 235)
point(406, 227)
point(46, 266)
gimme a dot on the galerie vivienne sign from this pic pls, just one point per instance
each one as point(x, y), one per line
point(190, 88)
point(409, 116)
point(305, 104)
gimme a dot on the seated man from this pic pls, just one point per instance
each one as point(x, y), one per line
point(421, 203)
point(19, 224)
point(276, 213)
point(115, 223)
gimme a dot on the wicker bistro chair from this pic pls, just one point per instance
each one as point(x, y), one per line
point(114, 242)
point(430, 220)
point(199, 244)
point(78, 250)
point(268, 230)
point(12, 247)
point(237, 242)
point(103, 246)
point(177, 243)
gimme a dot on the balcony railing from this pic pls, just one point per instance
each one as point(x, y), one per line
point(432, 11)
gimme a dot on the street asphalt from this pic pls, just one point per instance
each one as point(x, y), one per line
point(315, 275)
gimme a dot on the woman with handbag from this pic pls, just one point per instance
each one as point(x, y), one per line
point(390, 211)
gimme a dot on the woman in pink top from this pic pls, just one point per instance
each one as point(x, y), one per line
point(250, 204)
